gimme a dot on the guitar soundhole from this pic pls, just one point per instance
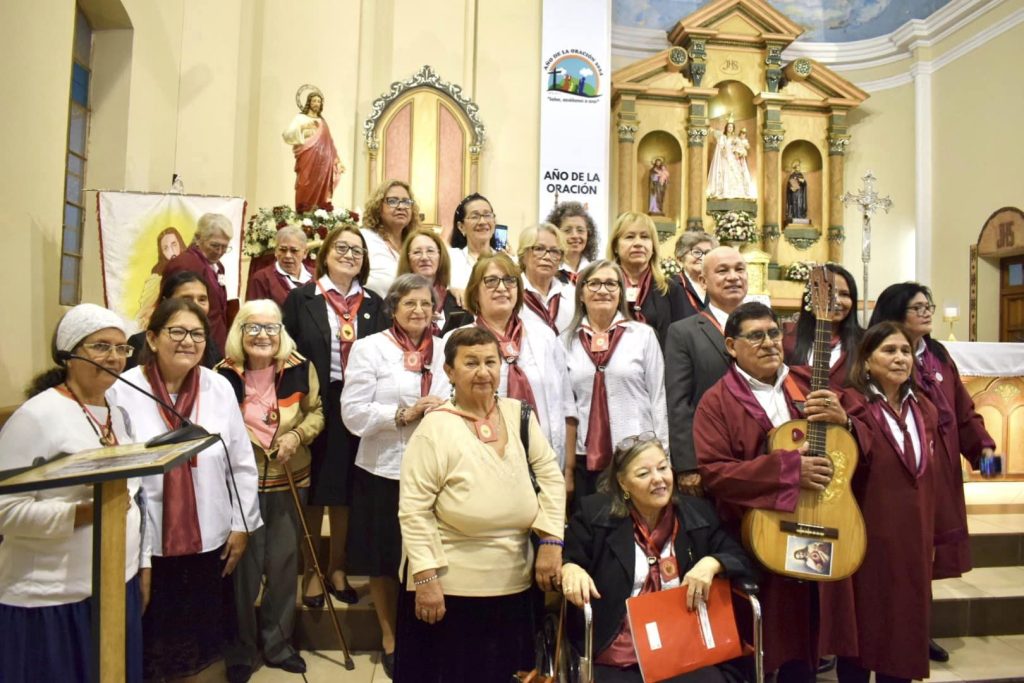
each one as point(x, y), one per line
point(798, 434)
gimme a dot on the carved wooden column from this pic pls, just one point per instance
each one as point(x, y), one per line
point(627, 128)
point(772, 135)
point(474, 168)
point(696, 134)
point(837, 142)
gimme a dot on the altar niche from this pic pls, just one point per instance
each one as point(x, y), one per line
point(660, 178)
point(801, 194)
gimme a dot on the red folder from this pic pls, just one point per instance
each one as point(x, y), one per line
point(670, 640)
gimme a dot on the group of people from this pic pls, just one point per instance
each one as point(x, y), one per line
point(445, 405)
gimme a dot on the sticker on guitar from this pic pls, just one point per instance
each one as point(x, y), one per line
point(808, 557)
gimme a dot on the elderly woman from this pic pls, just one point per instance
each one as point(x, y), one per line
point(466, 508)
point(278, 392)
point(289, 270)
point(182, 285)
point(199, 516)
point(612, 361)
point(472, 237)
point(325, 317)
point(652, 298)
point(424, 253)
point(611, 544)
point(46, 555)
point(391, 214)
point(961, 429)
point(393, 380)
point(580, 238)
point(547, 299)
point(690, 249)
point(212, 240)
point(897, 487)
point(533, 362)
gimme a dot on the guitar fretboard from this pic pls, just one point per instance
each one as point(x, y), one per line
point(819, 380)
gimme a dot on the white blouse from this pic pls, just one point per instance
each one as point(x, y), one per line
point(216, 409)
point(894, 427)
point(634, 380)
point(376, 387)
point(543, 360)
point(383, 262)
point(566, 307)
point(44, 560)
point(462, 267)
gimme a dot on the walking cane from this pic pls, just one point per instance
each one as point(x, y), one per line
point(349, 664)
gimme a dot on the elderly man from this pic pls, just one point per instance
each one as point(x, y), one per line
point(733, 420)
point(696, 358)
point(289, 270)
point(211, 241)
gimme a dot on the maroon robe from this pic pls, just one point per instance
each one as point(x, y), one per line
point(961, 432)
point(192, 259)
point(730, 444)
point(267, 283)
point(892, 588)
point(837, 373)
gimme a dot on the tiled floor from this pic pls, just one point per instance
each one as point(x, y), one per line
point(972, 659)
point(321, 667)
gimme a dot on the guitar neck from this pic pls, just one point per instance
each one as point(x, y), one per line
point(820, 367)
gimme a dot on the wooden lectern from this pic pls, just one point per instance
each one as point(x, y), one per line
point(108, 470)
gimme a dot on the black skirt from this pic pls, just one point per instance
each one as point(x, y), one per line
point(333, 454)
point(191, 615)
point(479, 639)
point(374, 535)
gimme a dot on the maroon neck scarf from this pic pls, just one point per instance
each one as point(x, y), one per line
point(599, 429)
point(347, 310)
point(416, 358)
point(510, 343)
point(548, 312)
point(904, 447)
point(644, 288)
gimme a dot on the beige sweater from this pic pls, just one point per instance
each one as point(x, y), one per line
point(467, 512)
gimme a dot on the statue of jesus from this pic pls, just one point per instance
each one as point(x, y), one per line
point(317, 166)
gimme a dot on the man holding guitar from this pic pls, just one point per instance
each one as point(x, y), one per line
point(732, 427)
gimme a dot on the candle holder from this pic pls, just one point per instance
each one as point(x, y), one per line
point(950, 315)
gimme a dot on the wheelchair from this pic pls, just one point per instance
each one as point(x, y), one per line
point(578, 667)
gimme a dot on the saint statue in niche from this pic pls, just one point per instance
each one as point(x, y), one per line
point(317, 166)
point(796, 196)
point(729, 176)
point(657, 185)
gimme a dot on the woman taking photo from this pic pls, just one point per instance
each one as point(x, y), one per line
point(690, 249)
point(279, 395)
point(580, 238)
point(472, 237)
point(391, 213)
point(200, 515)
point(638, 516)
point(423, 253)
point(652, 298)
point(466, 509)
point(394, 378)
point(46, 554)
point(325, 317)
point(533, 362)
point(798, 344)
point(613, 361)
point(895, 485)
point(548, 301)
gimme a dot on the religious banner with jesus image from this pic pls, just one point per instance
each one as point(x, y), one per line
point(141, 232)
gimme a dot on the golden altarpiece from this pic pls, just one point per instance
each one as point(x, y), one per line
point(670, 111)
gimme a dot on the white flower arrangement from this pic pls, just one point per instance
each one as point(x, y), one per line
point(260, 235)
point(670, 266)
point(736, 226)
point(799, 271)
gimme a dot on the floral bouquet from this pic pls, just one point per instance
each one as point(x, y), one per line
point(261, 232)
point(799, 271)
point(670, 266)
point(736, 226)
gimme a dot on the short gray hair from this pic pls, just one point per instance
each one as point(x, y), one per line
point(292, 231)
point(402, 285)
point(210, 224)
point(691, 238)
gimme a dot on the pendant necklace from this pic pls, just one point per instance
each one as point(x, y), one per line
point(485, 427)
point(105, 431)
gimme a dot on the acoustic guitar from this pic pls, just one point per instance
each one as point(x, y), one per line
point(823, 539)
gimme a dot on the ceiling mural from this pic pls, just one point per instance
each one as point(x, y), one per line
point(831, 21)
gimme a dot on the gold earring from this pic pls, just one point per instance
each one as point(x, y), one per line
point(625, 495)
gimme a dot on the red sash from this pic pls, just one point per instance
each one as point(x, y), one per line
point(643, 289)
point(181, 531)
point(548, 313)
point(510, 343)
point(714, 321)
point(416, 358)
point(599, 428)
point(347, 310)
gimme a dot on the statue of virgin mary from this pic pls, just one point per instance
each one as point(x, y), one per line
point(729, 176)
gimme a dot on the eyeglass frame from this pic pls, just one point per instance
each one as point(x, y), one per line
point(186, 333)
point(491, 282)
point(595, 286)
point(125, 350)
point(919, 308)
point(477, 217)
point(396, 202)
point(342, 248)
point(261, 327)
point(538, 252)
point(774, 335)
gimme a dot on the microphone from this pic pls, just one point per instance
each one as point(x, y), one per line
point(186, 432)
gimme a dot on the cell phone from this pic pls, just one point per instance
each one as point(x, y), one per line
point(501, 237)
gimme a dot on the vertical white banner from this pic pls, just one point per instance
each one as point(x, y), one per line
point(575, 108)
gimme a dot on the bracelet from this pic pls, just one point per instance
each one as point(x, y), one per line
point(551, 541)
point(849, 425)
point(423, 582)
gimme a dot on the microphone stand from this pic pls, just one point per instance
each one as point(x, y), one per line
point(186, 432)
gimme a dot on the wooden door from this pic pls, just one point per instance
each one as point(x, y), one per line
point(1011, 299)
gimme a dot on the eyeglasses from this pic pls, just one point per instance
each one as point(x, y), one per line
point(757, 337)
point(698, 253)
point(922, 309)
point(492, 281)
point(477, 217)
point(395, 202)
point(609, 285)
point(631, 441)
point(554, 253)
point(222, 247)
point(254, 329)
point(574, 230)
point(342, 249)
point(429, 252)
point(179, 333)
point(104, 349)
point(294, 251)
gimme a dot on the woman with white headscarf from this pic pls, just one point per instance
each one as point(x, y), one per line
point(46, 556)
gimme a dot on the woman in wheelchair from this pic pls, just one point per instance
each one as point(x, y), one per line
point(637, 536)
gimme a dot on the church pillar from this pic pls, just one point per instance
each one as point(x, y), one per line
point(474, 169)
point(837, 142)
point(772, 135)
point(627, 128)
point(696, 176)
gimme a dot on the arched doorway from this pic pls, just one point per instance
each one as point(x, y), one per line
point(1000, 245)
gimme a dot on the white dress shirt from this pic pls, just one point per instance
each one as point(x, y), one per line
point(772, 397)
point(894, 427)
point(337, 374)
point(462, 267)
point(216, 409)
point(566, 307)
point(376, 387)
point(44, 559)
point(641, 568)
point(634, 381)
point(383, 262)
point(719, 315)
point(568, 270)
point(542, 359)
point(304, 276)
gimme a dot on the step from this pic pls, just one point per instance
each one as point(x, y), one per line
point(997, 540)
point(987, 601)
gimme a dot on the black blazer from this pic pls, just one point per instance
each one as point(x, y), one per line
point(661, 310)
point(603, 545)
point(695, 358)
point(454, 316)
